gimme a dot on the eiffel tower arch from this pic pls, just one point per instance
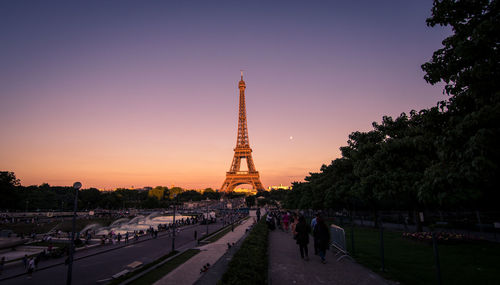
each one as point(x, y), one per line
point(235, 176)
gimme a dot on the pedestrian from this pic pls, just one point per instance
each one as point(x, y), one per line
point(31, 267)
point(277, 216)
point(313, 225)
point(2, 263)
point(37, 259)
point(270, 222)
point(302, 230)
point(25, 261)
point(322, 237)
point(195, 234)
point(126, 237)
point(286, 220)
point(293, 222)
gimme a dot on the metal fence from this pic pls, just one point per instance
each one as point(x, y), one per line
point(337, 235)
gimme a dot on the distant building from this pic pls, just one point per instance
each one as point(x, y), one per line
point(145, 188)
point(245, 191)
point(281, 187)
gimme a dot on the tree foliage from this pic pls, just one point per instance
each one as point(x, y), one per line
point(444, 156)
point(14, 196)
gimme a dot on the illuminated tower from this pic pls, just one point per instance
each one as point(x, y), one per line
point(234, 176)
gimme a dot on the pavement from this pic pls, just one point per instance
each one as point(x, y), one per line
point(189, 272)
point(287, 267)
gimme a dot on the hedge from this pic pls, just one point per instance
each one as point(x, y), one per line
point(249, 263)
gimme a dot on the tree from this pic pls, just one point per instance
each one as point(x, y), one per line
point(278, 194)
point(175, 191)
point(190, 195)
point(8, 180)
point(89, 198)
point(159, 192)
point(211, 194)
point(468, 64)
point(8, 194)
point(151, 203)
point(250, 201)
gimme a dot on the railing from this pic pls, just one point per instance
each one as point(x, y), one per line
point(337, 235)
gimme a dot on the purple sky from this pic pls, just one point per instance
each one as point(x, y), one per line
point(144, 93)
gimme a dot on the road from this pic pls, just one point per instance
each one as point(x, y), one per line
point(97, 268)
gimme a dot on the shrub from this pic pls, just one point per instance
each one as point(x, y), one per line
point(249, 264)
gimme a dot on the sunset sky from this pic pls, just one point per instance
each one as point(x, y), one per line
point(144, 93)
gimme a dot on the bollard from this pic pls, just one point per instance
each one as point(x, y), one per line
point(436, 258)
point(352, 236)
point(382, 247)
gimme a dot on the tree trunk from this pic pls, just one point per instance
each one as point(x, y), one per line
point(375, 219)
point(419, 222)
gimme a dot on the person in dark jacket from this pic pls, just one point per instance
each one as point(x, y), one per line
point(302, 230)
point(322, 237)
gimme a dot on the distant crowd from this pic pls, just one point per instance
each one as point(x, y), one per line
point(295, 224)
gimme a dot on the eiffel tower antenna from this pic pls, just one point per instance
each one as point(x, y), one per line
point(234, 176)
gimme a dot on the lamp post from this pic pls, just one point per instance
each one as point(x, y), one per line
point(76, 186)
point(173, 225)
point(221, 207)
point(207, 215)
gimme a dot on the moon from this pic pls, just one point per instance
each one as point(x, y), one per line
point(291, 138)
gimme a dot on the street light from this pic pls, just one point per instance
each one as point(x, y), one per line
point(207, 215)
point(221, 207)
point(173, 224)
point(76, 186)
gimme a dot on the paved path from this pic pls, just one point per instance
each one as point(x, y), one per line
point(189, 272)
point(286, 266)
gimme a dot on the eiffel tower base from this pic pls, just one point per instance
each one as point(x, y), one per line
point(234, 179)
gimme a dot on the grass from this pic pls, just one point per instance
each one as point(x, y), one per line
point(158, 273)
point(412, 262)
point(133, 273)
point(209, 237)
point(220, 234)
point(224, 231)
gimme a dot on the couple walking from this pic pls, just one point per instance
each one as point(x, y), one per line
point(321, 237)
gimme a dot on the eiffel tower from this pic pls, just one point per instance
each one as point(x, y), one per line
point(234, 176)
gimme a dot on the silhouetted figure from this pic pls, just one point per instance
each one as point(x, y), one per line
point(322, 237)
point(302, 230)
point(2, 263)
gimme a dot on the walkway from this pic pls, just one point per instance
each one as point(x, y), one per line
point(286, 266)
point(189, 272)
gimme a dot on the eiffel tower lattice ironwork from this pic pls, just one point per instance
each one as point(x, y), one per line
point(234, 176)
